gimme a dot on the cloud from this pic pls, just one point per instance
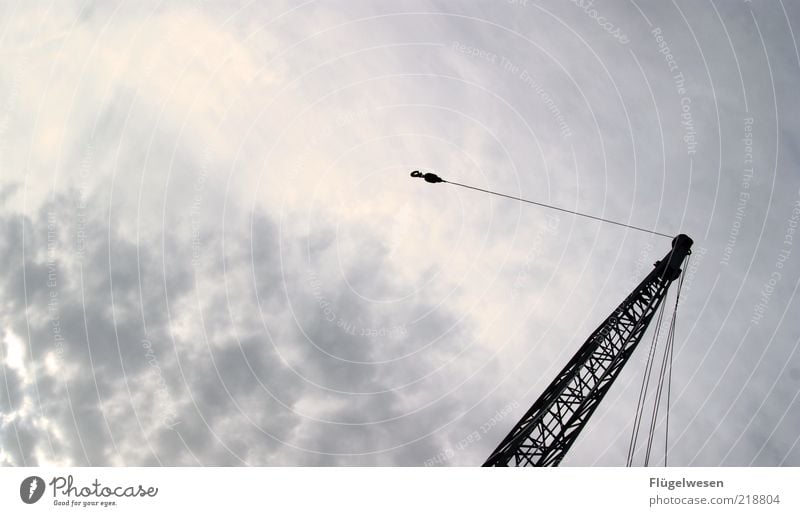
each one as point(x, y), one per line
point(214, 254)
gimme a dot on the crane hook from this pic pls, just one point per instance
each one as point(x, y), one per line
point(428, 176)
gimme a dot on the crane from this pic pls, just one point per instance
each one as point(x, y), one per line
point(549, 428)
point(545, 433)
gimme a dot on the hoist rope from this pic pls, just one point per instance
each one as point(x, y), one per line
point(664, 380)
point(433, 178)
point(637, 420)
point(671, 354)
point(659, 391)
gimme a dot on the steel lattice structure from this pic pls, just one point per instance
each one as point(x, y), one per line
point(546, 432)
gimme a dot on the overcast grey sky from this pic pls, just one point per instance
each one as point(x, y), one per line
point(213, 253)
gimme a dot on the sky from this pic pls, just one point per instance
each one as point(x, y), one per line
point(213, 253)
